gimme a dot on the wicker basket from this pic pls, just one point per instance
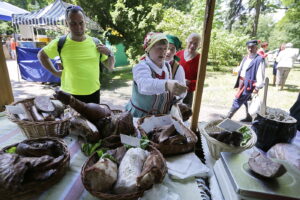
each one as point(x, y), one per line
point(34, 188)
point(172, 149)
point(109, 196)
point(33, 129)
point(215, 146)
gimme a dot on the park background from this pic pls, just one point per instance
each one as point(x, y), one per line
point(235, 22)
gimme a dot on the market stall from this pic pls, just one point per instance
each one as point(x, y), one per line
point(232, 178)
point(7, 10)
point(30, 67)
point(71, 185)
point(228, 172)
point(51, 17)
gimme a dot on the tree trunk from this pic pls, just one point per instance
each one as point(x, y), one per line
point(256, 18)
point(230, 26)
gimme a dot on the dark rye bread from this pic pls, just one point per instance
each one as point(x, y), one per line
point(264, 166)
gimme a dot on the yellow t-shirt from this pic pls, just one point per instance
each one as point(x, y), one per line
point(80, 75)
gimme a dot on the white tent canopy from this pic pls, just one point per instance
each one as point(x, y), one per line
point(51, 15)
point(7, 10)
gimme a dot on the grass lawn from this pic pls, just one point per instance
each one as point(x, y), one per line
point(218, 89)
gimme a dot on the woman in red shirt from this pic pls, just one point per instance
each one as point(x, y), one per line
point(189, 60)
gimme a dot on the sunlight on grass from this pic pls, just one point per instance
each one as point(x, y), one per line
point(218, 87)
point(218, 90)
point(117, 77)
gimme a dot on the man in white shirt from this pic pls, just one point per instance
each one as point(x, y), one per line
point(250, 79)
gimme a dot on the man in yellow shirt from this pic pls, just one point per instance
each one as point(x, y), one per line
point(80, 57)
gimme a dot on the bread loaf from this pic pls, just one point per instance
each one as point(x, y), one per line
point(129, 169)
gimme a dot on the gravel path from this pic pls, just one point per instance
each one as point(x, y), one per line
point(115, 98)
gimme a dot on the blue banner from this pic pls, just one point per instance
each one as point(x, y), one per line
point(31, 68)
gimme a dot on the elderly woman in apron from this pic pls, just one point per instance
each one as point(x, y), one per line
point(153, 89)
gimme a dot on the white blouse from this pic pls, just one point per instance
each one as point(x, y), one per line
point(142, 75)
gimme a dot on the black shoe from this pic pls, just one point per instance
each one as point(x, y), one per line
point(247, 119)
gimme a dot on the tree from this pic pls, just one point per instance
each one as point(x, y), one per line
point(226, 49)
point(172, 23)
point(277, 37)
point(266, 26)
point(29, 4)
point(290, 23)
point(245, 15)
point(257, 7)
point(181, 5)
point(236, 9)
point(125, 21)
point(6, 28)
point(182, 24)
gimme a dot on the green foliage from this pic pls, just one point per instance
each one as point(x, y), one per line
point(102, 154)
point(246, 132)
point(54, 33)
point(88, 148)
point(20, 3)
point(265, 28)
point(290, 24)
point(198, 9)
point(240, 14)
point(127, 146)
point(30, 5)
point(182, 24)
point(277, 37)
point(144, 142)
point(177, 23)
point(226, 49)
point(6, 28)
point(288, 28)
point(126, 21)
point(181, 5)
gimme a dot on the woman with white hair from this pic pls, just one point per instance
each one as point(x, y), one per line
point(189, 60)
point(285, 60)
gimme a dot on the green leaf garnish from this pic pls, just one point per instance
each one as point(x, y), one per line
point(88, 148)
point(246, 132)
point(11, 150)
point(144, 142)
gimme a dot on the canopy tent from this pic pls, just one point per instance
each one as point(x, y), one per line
point(7, 10)
point(51, 15)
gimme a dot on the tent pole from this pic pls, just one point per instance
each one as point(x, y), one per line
point(15, 32)
point(6, 96)
point(207, 26)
